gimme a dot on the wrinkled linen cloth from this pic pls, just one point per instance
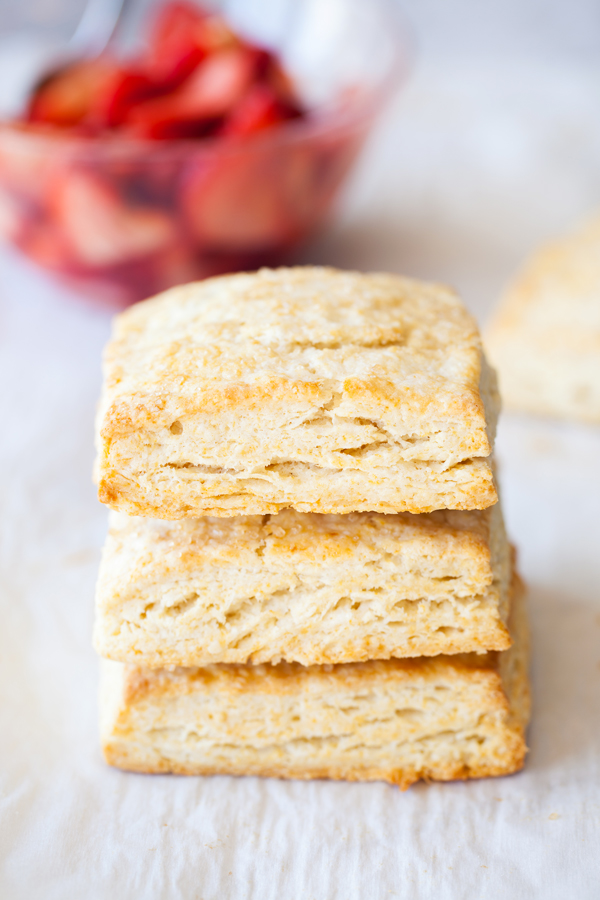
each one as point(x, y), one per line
point(468, 172)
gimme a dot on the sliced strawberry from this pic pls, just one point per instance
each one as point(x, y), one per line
point(28, 161)
point(128, 88)
point(173, 50)
point(67, 97)
point(260, 108)
point(97, 226)
point(220, 82)
point(13, 216)
point(164, 119)
point(46, 246)
point(309, 177)
point(235, 204)
point(182, 36)
point(199, 105)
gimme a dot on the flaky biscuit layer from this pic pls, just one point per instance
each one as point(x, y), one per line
point(302, 587)
point(397, 720)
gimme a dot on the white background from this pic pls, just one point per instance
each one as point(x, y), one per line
point(493, 146)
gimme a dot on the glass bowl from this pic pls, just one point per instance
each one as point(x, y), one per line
point(121, 219)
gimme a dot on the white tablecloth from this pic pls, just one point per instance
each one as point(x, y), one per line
point(470, 169)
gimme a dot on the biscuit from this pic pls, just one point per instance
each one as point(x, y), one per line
point(302, 587)
point(545, 338)
point(308, 388)
point(444, 718)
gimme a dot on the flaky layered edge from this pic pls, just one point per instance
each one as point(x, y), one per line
point(205, 488)
point(478, 624)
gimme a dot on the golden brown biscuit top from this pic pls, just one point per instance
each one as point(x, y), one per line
point(303, 324)
point(556, 296)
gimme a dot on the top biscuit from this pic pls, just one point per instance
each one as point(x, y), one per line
point(309, 388)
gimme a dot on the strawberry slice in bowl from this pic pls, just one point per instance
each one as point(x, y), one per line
point(67, 98)
point(182, 35)
point(99, 228)
point(199, 107)
point(259, 108)
point(232, 201)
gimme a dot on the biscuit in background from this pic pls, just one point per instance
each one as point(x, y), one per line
point(545, 337)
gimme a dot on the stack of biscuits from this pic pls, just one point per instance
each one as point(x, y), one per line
point(306, 573)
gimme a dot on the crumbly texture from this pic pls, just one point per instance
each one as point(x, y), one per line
point(308, 388)
point(545, 338)
point(397, 720)
point(302, 587)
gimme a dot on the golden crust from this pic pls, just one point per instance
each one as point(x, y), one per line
point(309, 588)
point(398, 721)
point(309, 388)
point(545, 337)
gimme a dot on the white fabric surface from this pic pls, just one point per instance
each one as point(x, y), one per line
point(469, 171)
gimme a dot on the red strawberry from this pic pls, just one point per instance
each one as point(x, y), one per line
point(128, 88)
point(99, 228)
point(174, 52)
point(260, 108)
point(67, 97)
point(182, 36)
point(46, 246)
point(220, 82)
point(199, 105)
point(13, 216)
point(28, 160)
point(235, 203)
